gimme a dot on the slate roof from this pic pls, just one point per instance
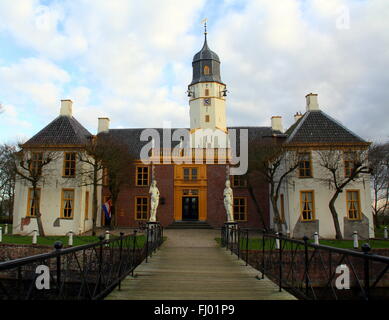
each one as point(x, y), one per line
point(132, 136)
point(205, 53)
point(318, 127)
point(63, 130)
point(206, 57)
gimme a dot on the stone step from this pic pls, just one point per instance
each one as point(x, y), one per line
point(189, 225)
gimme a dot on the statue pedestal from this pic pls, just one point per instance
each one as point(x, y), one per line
point(150, 229)
point(230, 234)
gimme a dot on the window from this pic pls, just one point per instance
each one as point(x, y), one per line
point(67, 205)
point(307, 206)
point(87, 205)
point(239, 181)
point(206, 70)
point(206, 92)
point(240, 209)
point(141, 208)
point(33, 205)
point(305, 170)
point(69, 168)
point(353, 205)
point(190, 174)
point(142, 176)
point(36, 163)
point(207, 118)
point(349, 162)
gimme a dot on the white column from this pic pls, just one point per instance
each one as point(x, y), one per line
point(70, 241)
point(316, 238)
point(34, 237)
point(355, 238)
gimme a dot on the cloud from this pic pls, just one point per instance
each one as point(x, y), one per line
point(131, 60)
point(33, 82)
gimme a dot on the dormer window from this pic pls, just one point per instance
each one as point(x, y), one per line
point(206, 70)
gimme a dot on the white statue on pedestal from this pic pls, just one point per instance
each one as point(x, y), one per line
point(154, 195)
point(228, 202)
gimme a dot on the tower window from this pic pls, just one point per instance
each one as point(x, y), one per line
point(206, 92)
point(206, 70)
point(207, 118)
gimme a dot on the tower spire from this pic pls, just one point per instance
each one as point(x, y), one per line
point(205, 27)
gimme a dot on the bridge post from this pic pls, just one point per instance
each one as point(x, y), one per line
point(263, 253)
point(366, 249)
point(58, 246)
point(120, 258)
point(305, 238)
point(280, 260)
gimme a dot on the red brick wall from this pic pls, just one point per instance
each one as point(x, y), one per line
point(216, 213)
point(125, 211)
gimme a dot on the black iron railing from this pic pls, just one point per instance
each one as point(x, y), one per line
point(88, 271)
point(311, 271)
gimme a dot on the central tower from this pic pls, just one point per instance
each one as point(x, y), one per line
point(207, 99)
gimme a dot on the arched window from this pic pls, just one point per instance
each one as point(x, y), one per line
point(206, 70)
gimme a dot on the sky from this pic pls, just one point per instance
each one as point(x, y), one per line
point(131, 61)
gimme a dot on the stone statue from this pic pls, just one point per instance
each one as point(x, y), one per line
point(228, 202)
point(154, 194)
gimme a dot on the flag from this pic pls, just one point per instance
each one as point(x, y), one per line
point(107, 209)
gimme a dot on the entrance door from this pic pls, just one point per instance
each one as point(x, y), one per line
point(190, 208)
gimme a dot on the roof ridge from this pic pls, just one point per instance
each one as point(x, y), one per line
point(343, 126)
point(298, 126)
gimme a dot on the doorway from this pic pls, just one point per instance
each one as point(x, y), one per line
point(190, 208)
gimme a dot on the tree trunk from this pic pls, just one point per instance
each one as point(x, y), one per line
point(335, 216)
point(258, 207)
point(376, 220)
point(276, 214)
point(38, 213)
point(94, 204)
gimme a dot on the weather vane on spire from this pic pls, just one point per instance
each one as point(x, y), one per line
point(204, 21)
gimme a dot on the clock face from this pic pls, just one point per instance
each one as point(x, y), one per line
point(207, 102)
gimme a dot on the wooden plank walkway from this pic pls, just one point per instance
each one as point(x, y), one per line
point(180, 270)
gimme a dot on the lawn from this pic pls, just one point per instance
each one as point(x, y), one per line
point(50, 240)
point(256, 244)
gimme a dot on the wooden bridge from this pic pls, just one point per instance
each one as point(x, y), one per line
point(191, 266)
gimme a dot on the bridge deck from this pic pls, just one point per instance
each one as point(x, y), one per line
point(189, 266)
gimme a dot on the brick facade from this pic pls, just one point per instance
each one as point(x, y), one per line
point(216, 216)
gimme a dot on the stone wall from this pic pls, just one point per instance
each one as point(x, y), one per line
point(319, 268)
point(16, 251)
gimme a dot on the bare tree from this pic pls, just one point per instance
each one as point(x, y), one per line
point(92, 173)
point(117, 161)
point(379, 164)
point(106, 159)
point(270, 162)
point(338, 175)
point(7, 178)
point(32, 167)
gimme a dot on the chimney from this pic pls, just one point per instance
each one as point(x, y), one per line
point(297, 116)
point(312, 103)
point(276, 123)
point(66, 108)
point(103, 125)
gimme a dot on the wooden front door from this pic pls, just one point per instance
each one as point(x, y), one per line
point(190, 208)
